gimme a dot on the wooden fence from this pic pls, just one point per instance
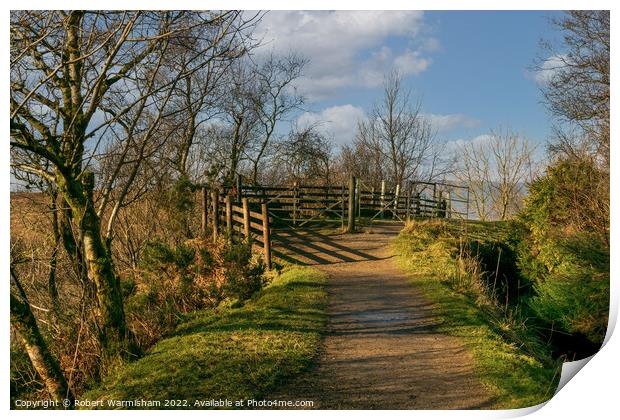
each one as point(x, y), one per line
point(222, 214)
point(300, 205)
point(251, 211)
point(304, 205)
point(419, 200)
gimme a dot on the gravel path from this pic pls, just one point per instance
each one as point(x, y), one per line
point(381, 349)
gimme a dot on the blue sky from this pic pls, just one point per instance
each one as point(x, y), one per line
point(472, 69)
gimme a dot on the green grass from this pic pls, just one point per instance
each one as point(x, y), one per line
point(231, 353)
point(512, 364)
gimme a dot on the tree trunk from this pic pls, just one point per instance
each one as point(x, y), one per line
point(114, 336)
point(42, 360)
point(51, 279)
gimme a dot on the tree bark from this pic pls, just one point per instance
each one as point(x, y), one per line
point(53, 264)
point(114, 336)
point(42, 360)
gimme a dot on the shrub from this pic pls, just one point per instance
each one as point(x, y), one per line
point(565, 252)
point(571, 280)
point(197, 274)
point(244, 275)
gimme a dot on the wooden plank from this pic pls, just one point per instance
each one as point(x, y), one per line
point(246, 217)
point(351, 218)
point(256, 215)
point(266, 238)
point(228, 214)
point(238, 219)
point(318, 194)
point(265, 188)
point(320, 187)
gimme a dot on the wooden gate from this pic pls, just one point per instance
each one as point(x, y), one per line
point(303, 206)
point(300, 205)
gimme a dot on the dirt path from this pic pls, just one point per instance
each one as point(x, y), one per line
point(381, 349)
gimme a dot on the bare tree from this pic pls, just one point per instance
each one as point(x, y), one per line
point(305, 156)
point(241, 125)
point(397, 130)
point(474, 170)
point(497, 170)
point(82, 79)
point(274, 98)
point(256, 97)
point(577, 90)
point(363, 161)
point(512, 156)
point(199, 93)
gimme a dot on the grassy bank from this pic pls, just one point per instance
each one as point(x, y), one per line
point(512, 363)
point(230, 353)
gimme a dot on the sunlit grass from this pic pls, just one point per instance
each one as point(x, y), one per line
point(512, 364)
point(231, 353)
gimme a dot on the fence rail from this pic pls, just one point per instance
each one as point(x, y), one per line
point(237, 219)
point(252, 211)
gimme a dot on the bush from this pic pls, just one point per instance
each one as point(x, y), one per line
point(571, 281)
point(197, 274)
point(565, 252)
point(244, 275)
point(578, 304)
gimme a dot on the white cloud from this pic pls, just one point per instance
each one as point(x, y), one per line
point(447, 122)
point(338, 122)
point(431, 44)
point(478, 141)
point(411, 62)
point(549, 68)
point(346, 48)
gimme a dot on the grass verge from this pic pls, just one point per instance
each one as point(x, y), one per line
point(230, 353)
point(511, 362)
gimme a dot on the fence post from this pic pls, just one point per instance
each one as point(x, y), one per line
point(351, 220)
point(358, 202)
point(467, 205)
point(372, 199)
point(408, 203)
point(229, 224)
point(342, 207)
point(382, 202)
point(396, 198)
point(204, 216)
point(295, 198)
point(266, 236)
point(417, 203)
point(215, 202)
point(246, 218)
point(436, 202)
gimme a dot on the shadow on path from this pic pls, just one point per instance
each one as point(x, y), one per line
point(382, 349)
point(309, 247)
